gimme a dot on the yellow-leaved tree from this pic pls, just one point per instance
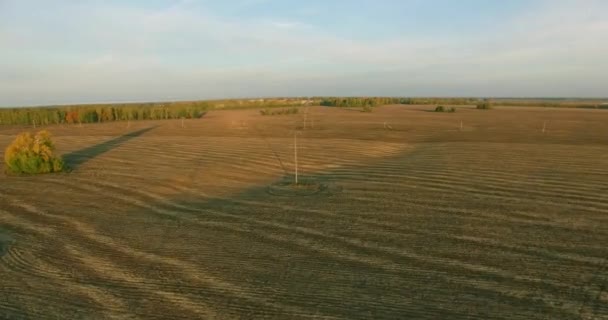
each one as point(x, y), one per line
point(32, 154)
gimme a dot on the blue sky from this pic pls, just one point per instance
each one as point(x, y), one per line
point(66, 51)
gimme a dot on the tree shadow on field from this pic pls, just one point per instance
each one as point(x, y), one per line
point(350, 109)
point(76, 158)
point(301, 244)
point(426, 110)
point(5, 242)
point(370, 251)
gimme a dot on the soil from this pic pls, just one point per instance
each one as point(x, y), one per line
point(406, 216)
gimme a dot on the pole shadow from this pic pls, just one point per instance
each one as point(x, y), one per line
point(77, 158)
point(5, 242)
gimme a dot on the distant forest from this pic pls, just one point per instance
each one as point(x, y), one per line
point(93, 113)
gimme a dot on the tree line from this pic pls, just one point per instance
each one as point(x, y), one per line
point(98, 113)
point(354, 102)
point(132, 111)
point(93, 113)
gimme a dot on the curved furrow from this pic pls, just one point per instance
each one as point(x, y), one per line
point(125, 198)
point(73, 296)
point(357, 245)
point(433, 207)
point(514, 198)
point(457, 187)
point(185, 278)
point(21, 262)
point(370, 219)
point(112, 272)
point(458, 225)
point(40, 306)
point(187, 269)
point(191, 273)
point(483, 187)
point(17, 221)
point(330, 251)
point(111, 306)
point(593, 261)
point(139, 197)
point(33, 265)
point(387, 225)
point(505, 196)
point(445, 273)
point(505, 178)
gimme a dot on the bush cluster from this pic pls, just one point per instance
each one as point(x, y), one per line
point(485, 105)
point(444, 109)
point(33, 154)
point(270, 112)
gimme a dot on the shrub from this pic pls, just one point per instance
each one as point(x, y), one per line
point(32, 154)
point(327, 103)
point(444, 109)
point(485, 105)
point(268, 112)
point(367, 108)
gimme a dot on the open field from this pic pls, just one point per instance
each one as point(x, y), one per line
point(416, 217)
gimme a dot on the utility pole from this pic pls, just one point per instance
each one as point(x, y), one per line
point(544, 126)
point(295, 154)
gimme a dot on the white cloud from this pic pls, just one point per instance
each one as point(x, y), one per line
point(109, 52)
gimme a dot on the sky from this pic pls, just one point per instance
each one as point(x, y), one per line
point(69, 51)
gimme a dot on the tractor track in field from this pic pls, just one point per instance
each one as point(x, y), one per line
point(178, 222)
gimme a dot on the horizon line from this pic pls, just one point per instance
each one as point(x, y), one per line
point(114, 102)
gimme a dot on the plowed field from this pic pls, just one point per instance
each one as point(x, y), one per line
point(406, 215)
